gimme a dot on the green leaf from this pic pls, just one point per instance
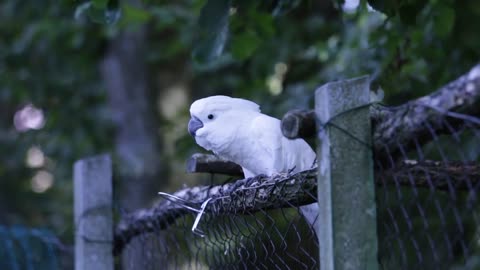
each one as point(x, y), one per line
point(409, 11)
point(385, 6)
point(82, 9)
point(111, 16)
point(97, 12)
point(444, 20)
point(284, 6)
point(135, 15)
point(212, 31)
point(263, 23)
point(100, 4)
point(244, 45)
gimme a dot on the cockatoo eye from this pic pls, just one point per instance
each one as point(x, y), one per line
point(210, 116)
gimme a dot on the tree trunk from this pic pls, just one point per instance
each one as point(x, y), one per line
point(137, 142)
point(139, 168)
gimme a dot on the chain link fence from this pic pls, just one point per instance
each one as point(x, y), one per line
point(276, 239)
point(427, 215)
point(427, 198)
point(26, 248)
point(426, 171)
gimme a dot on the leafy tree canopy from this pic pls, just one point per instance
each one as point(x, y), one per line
point(275, 51)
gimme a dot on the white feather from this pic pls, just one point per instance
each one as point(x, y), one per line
point(240, 133)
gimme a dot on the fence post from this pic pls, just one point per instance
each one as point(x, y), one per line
point(93, 213)
point(347, 212)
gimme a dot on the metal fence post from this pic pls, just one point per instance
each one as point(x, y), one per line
point(347, 211)
point(93, 213)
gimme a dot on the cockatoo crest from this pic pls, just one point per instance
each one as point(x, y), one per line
point(216, 120)
point(222, 103)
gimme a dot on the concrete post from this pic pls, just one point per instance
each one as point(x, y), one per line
point(347, 212)
point(93, 213)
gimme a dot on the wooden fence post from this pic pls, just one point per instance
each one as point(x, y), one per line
point(347, 212)
point(93, 213)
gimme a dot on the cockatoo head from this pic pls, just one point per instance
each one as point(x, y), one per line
point(215, 120)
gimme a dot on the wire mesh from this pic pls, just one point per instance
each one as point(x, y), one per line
point(27, 248)
point(427, 212)
point(232, 232)
point(277, 239)
point(427, 202)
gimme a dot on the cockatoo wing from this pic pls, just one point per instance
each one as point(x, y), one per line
point(278, 154)
point(247, 173)
point(266, 141)
point(274, 154)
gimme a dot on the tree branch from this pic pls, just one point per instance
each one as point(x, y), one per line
point(405, 124)
point(416, 120)
point(434, 175)
point(137, 141)
point(243, 196)
point(299, 124)
point(206, 163)
point(284, 190)
point(401, 125)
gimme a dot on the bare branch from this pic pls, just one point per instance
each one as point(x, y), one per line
point(298, 124)
point(435, 175)
point(284, 190)
point(206, 163)
point(392, 126)
point(243, 196)
point(406, 123)
point(403, 124)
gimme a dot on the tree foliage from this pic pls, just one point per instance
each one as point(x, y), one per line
point(276, 52)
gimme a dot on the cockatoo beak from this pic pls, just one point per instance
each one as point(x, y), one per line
point(193, 125)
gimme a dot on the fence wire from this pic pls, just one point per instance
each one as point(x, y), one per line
point(427, 198)
point(231, 234)
point(26, 248)
point(427, 213)
point(277, 239)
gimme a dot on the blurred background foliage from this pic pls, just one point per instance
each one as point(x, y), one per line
point(55, 106)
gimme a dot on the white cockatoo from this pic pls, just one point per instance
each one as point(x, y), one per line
point(235, 129)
